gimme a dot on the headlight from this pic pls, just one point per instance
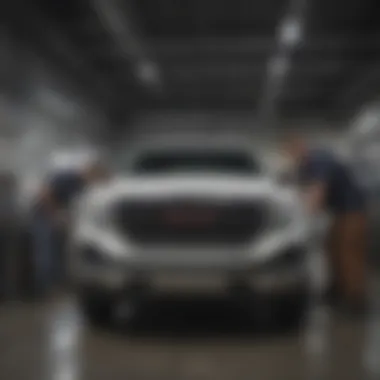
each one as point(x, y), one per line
point(98, 216)
point(92, 256)
point(95, 226)
point(280, 217)
point(286, 228)
point(293, 255)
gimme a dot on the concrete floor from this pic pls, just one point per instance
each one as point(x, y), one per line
point(50, 342)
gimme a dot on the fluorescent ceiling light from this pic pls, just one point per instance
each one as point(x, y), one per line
point(148, 72)
point(290, 32)
point(369, 121)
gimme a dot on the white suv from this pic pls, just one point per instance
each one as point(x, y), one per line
point(189, 218)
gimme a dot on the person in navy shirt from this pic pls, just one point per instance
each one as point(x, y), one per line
point(328, 185)
point(51, 218)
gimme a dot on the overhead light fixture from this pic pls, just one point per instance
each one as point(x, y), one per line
point(290, 32)
point(368, 120)
point(148, 73)
point(369, 124)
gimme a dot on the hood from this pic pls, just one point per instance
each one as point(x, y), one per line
point(164, 187)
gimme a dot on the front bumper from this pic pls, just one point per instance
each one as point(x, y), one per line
point(189, 270)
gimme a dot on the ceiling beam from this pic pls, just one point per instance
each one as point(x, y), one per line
point(324, 50)
point(248, 69)
point(311, 108)
point(237, 70)
point(252, 44)
point(320, 41)
point(289, 34)
point(118, 23)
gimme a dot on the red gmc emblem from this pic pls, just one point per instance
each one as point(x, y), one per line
point(191, 217)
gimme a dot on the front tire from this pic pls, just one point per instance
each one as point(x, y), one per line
point(284, 312)
point(97, 308)
point(292, 310)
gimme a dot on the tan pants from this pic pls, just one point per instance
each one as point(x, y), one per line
point(347, 249)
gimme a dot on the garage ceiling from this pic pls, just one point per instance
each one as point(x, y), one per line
point(210, 53)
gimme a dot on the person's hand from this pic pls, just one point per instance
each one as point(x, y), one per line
point(61, 219)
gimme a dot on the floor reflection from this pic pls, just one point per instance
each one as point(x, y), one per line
point(65, 335)
point(51, 342)
point(371, 352)
point(317, 342)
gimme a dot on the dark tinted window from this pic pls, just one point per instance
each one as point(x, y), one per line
point(180, 161)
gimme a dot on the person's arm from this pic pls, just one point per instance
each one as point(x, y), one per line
point(317, 180)
point(314, 196)
point(47, 199)
point(59, 216)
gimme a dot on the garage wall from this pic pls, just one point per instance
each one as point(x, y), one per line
point(39, 113)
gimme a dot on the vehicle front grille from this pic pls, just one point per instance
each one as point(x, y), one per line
point(190, 222)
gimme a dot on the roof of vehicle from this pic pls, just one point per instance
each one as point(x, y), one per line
point(196, 141)
point(231, 142)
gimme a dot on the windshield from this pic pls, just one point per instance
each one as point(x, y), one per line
point(195, 161)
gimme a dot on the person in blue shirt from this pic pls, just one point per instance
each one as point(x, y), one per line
point(329, 186)
point(51, 218)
